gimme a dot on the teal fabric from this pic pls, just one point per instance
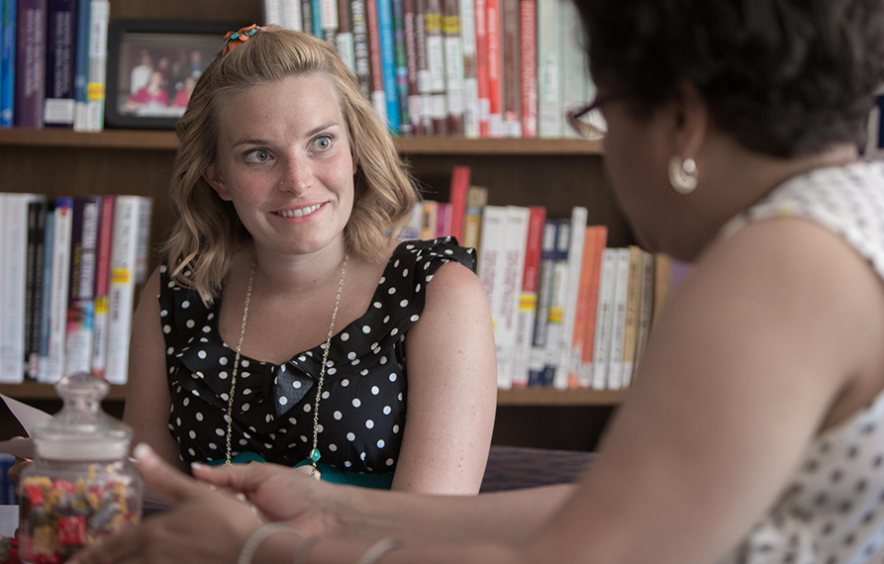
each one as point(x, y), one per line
point(328, 473)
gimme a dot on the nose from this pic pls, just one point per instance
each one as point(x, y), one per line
point(297, 177)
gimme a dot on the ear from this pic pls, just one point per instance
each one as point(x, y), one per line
point(691, 122)
point(216, 180)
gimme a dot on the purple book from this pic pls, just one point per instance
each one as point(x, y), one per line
point(61, 44)
point(30, 58)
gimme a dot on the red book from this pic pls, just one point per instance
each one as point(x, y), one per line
point(378, 97)
point(482, 67)
point(495, 109)
point(460, 182)
point(592, 301)
point(528, 43)
point(102, 284)
point(528, 297)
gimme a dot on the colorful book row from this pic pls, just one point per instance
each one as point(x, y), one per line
point(68, 270)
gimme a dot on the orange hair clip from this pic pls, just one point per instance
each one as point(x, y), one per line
point(236, 38)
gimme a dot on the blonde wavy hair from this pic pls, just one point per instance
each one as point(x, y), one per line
point(208, 231)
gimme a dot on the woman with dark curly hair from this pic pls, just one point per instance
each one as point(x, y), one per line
point(755, 432)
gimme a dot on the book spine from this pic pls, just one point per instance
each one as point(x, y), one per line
point(645, 308)
point(414, 99)
point(528, 60)
point(316, 16)
point(618, 326)
point(424, 78)
point(662, 283)
point(328, 12)
point(550, 122)
point(81, 64)
point(569, 301)
point(378, 94)
point(388, 63)
point(272, 13)
point(401, 68)
point(5, 317)
point(574, 66)
point(429, 212)
point(436, 66)
point(537, 358)
point(470, 82)
point(121, 290)
point(30, 62)
point(604, 320)
point(142, 243)
point(34, 284)
point(457, 197)
point(491, 269)
point(102, 282)
point(528, 296)
point(579, 333)
point(557, 304)
point(477, 197)
point(443, 219)
point(495, 68)
point(633, 298)
point(592, 304)
point(481, 13)
point(361, 57)
point(453, 66)
point(8, 19)
point(46, 295)
point(61, 252)
point(81, 297)
point(510, 54)
point(513, 269)
point(344, 38)
point(283, 13)
point(58, 109)
point(12, 308)
point(307, 16)
point(98, 21)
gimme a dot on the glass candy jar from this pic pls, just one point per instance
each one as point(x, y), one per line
point(81, 486)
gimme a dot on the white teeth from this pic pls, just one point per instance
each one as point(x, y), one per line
point(300, 212)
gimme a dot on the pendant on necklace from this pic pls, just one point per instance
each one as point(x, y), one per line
point(314, 455)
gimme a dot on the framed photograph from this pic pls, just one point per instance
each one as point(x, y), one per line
point(153, 65)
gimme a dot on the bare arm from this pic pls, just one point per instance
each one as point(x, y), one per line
point(147, 389)
point(452, 388)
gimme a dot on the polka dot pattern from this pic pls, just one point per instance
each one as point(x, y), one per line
point(832, 511)
point(362, 410)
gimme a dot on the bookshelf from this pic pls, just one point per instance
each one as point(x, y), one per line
point(555, 173)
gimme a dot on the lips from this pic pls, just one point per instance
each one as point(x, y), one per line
point(300, 212)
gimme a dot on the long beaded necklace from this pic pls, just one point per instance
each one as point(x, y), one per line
point(314, 453)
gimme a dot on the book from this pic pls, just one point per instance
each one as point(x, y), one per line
point(511, 68)
point(4, 279)
point(436, 67)
point(316, 17)
point(142, 243)
point(410, 230)
point(272, 13)
point(30, 60)
point(424, 78)
point(307, 16)
point(477, 198)
point(577, 233)
point(128, 213)
point(58, 109)
point(453, 66)
point(378, 94)
point(328, 13)
point(46, 294)
point(81, 294)
point(575, 69)
point(443, 219)
point(361, 55)
point(102, 284)
point(483, 94)
point(344, 36)
point(593, 270)
point(491, 267)
point(388, 63)
point(401, 69)
point(409, 16)
point(525, 318)
point(618, 324)
point(470, 82)
point(557, 303)
point(290, 13)
point(579, 330)
point(604, 320)
point(537, 356)
point(81, 65)
point(505, 332)
point(646, 306)
point(528, 66)
point(8, 19)
point(550, 117)
point(98, 20)
point(662, 283)
point(457, 197)
point(61, 260)
point(428, 220)
point(34, 284)
point(495, 69)
point(633, 303)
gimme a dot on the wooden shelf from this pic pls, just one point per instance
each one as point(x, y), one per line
point(166, 141)
point(30, 391)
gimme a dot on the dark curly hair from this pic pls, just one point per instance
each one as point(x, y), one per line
point(784, 77)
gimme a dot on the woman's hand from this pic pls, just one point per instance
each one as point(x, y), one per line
point(207, 526)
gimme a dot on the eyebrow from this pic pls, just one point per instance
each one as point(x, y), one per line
point(258, 141)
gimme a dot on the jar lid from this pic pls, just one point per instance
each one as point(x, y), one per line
point(81, 430)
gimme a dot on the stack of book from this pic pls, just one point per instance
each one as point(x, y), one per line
point(53, 61)
point(68, 270)
point(471, 68)
point(568, 312)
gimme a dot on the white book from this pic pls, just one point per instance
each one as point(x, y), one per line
point(58, 314)
point(273, 14)
point(491, 264)
point(3, 269)
point(513, 269)
point(288, 11)
point(98, 20)
point(575, 268)
point(467, 12)
point(604, 320)
point(142, 245)
point(557, 303)
point(645, 307)
point(121, 292)
point(575, 71)
point(12, 331)
point(618, 328)
point(550, 117)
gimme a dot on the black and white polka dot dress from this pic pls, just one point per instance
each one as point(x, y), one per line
point(832, 511)
point(363, 406)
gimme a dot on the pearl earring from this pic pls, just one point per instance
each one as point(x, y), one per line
point(683, 174)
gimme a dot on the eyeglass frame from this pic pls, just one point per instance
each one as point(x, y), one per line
point(583, 128)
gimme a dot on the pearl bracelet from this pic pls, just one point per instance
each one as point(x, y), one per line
point(260, 535)
point(378, 549)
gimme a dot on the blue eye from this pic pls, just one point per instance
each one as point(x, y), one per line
point(258, 156)
point(322, 143)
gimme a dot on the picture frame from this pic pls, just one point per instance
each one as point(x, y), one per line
point(152, 66)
